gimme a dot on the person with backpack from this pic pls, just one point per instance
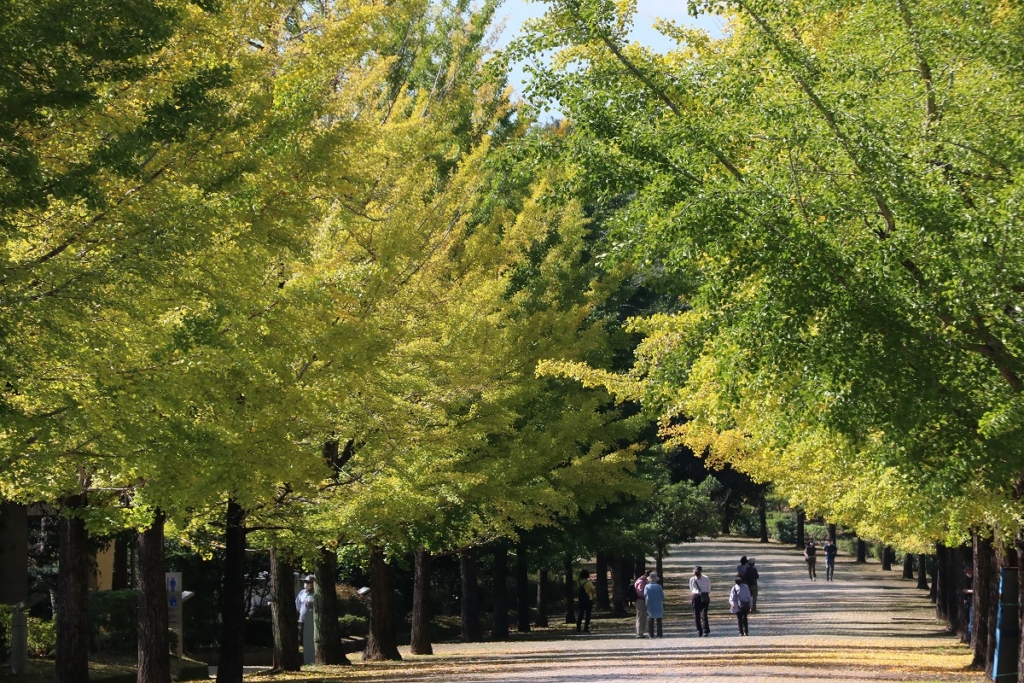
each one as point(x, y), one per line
point(585, 597)
point(654, 596)
point(811, 558)
point(739, 604)
point(636, 589)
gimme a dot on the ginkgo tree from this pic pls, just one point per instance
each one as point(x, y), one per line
point(830, 190)
point(185, 340)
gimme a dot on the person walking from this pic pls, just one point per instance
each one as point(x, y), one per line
point(585, 597)
point(739, 604)
point(751, 577)
point(700, 598)
point(811, 558)
point(741, 568)
point(641, 605)
point(654, 596)
point(830, 559)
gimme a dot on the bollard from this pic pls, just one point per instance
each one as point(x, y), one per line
point(19, 642)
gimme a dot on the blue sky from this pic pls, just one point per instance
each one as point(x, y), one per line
point(515, 12)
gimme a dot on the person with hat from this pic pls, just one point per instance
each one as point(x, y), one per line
point(654, 596)
point(700, 598)
point(304, 602)
point(751, 576)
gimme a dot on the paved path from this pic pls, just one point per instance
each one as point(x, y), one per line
point(867, 625)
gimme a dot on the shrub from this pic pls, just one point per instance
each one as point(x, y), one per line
point(350, 602)
point(815, 532)
point(5, 633)
point(42, 637)
point(353, 625)
point(747, 523)
point(113, 621)
point(785, 529)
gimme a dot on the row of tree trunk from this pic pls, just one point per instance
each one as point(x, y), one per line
point(964, 589)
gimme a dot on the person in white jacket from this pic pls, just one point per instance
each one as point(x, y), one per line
point(739, 604)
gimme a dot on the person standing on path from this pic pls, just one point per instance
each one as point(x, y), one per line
point(641, 605)
point(587, 592)
point(739, 604)
point(700, 598)
point(811, 558)
point(654, 596)
point(750, 577)
point(304, 603)
point(830, 559)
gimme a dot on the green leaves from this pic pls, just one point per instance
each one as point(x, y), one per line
point(837, 220)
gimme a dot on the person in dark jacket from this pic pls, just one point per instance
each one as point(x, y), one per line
point(751, 576)
point(585, 597)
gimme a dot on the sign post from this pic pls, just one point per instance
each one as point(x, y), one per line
point(175, 620)
point(308, 639)
point(1004, 667)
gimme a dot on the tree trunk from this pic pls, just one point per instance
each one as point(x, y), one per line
point(232, 638)
point(639, 566)
point(601, 583)
point(862, 550)
point(659, 565)
point(963, 560)
point(887, 554)
point(541, 620)
point(13, 553)
point(801, 519)
point(119, 579)
point(933, 592)
point(326, 634)
point(618, 587)
point(471, 632)
point(908, 566)
point(939, 585)
point(72, 665)
point(282, 613)
point(419, 640)
point(832, 533)
point(499, 629)
point(985, 600)
point(154, 645)
point(522, 589)
point(570, 592)
point(383, 641)
point(922, 576)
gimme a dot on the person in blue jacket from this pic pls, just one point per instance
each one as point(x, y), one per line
point(654, 596)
